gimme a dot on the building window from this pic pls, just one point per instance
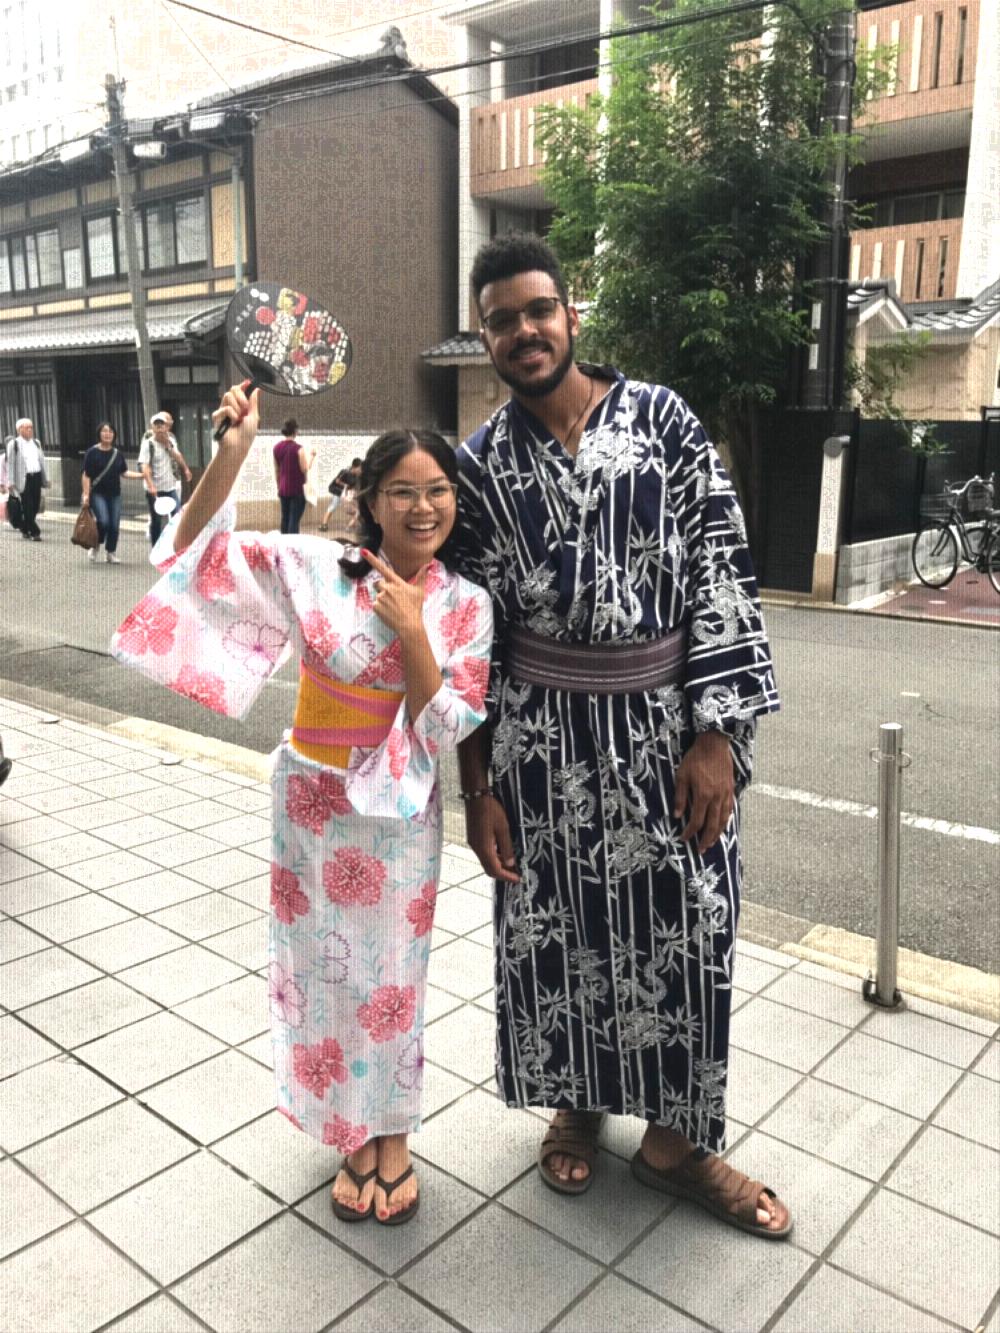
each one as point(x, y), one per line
point(927, 206)
point(175, 232)
point(963, 23)
point(936, 52)
point(918, 277)
point(107, 256)
point(102, 260)
point(31, 262)
point(942, 266)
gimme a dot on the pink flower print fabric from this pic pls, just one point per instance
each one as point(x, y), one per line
point(356, 852)
point(389, 1011)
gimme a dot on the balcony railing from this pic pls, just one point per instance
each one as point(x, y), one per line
point(503, 154)
point(922, 257)
point(933, 63)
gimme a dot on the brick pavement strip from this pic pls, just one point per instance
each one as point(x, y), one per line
point(149, 1184)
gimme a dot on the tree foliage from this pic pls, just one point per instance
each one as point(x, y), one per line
point(685, 199)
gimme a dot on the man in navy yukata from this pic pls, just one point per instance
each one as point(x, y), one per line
point(630, 666)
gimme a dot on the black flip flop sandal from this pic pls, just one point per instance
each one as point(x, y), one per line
point(390, 1187)
point(351, 1214)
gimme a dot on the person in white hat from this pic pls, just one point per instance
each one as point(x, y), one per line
point(22, 472)
point(160, 461)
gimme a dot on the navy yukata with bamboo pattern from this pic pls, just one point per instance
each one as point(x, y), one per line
point(614, 954)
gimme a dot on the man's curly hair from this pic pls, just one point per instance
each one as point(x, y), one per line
point(512, 253)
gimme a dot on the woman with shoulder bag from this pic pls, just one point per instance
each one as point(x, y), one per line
point(104, 466)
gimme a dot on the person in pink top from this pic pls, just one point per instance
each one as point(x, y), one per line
point(291, 467)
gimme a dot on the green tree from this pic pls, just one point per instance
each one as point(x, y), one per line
point(684, 201)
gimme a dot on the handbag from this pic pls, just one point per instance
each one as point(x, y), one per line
point(85, 532)
point(15, 514)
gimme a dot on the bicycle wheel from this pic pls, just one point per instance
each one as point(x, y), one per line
point(992, 561)
point(935, 555)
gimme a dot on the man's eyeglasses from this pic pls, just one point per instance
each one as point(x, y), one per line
point(538, 311)
point(440, 494)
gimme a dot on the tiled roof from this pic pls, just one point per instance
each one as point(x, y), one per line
point(958, 316)
point(955, 316)
point(458, 345)
point(170, 322)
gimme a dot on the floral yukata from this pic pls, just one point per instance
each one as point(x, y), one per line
point(356, 846)
point(614, 954)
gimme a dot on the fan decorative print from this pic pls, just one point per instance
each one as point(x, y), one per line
point(286, 341)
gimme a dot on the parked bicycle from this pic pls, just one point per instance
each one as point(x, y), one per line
point(946, 536)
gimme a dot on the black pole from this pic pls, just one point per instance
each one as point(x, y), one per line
point(826, 272)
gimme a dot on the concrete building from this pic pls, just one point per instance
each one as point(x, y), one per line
point(931, 178)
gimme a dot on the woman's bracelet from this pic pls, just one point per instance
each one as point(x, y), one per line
point(475, 795)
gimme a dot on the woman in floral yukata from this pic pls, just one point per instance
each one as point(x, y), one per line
point(394, 662)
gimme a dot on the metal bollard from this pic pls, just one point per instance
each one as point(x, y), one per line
point(891, 761)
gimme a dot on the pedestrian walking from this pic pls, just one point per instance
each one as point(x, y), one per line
point(104, 466)
point(162, 465)
point(394, 660)
point(630, 666)
point(25, 476)
point(343, 502)
point(291, 468)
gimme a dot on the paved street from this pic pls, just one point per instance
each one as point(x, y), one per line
point(808, 853)
point(150, 1187)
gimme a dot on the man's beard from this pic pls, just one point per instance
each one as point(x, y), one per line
point(539, 388)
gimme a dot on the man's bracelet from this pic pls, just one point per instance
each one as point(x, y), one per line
point(475, 795)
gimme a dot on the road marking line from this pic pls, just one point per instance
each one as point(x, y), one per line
point(970, 832)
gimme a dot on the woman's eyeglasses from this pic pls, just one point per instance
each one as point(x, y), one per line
point(538, 311)
point(440, 494)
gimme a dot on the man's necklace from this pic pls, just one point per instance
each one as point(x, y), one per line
point(569, 433)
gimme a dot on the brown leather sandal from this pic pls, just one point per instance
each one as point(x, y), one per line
point(575, 1134)
point(715, 1186)
point(359, 1181)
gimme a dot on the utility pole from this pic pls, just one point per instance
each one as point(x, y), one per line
point(826, 273)
point(117, 130)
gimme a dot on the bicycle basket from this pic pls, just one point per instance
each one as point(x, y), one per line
point(935, 506)
point(978, 498)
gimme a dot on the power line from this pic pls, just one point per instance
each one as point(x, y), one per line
point(267, 102)
point(184, 32)
point(261, 32)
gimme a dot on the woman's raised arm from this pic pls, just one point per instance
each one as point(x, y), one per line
point(220, 476)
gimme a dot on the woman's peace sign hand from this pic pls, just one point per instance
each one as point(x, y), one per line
point(397, 603)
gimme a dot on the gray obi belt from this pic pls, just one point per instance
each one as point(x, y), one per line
point(596, 668)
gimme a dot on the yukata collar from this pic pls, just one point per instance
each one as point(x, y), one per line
point(589, 368)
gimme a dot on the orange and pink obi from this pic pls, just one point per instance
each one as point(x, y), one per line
point(333, 717)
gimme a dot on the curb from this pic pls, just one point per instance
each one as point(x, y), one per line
point(795, 603)
point(954, 985)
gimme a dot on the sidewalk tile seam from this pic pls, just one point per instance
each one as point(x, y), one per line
point(903, 1300)
point(366, 1299)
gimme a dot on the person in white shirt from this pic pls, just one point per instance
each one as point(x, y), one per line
point(23, 474)
point(158, 455)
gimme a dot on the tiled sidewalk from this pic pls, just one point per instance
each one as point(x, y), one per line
point(149, 1186)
